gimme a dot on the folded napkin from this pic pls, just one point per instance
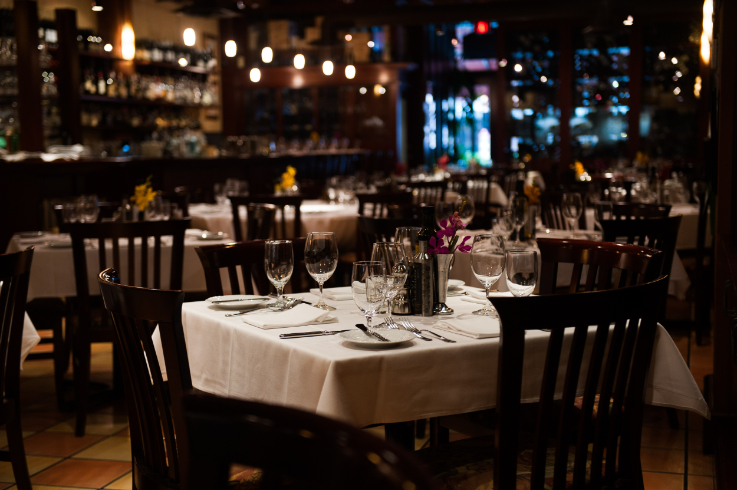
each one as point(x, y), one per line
point(296, 317)
point(335, 294)
point(475, 296)
point(193, 232)
point(481, 328)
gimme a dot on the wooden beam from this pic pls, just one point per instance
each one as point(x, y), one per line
point(68, 73)
point(29, 76)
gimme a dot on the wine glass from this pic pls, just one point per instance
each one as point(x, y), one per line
point(367, 281)
point(521, 269)
point(487, 264)
point(572, 208)
point(466, 214)
point(407, 237)
point(444, 210)
point(603, 211)
point(503, 224)
point(69, 213)
point(90, 211)
point(279, 264)
point(321, 259)
point(396, 265)
point(519, 218)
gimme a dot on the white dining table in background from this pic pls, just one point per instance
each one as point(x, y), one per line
point(362, 386)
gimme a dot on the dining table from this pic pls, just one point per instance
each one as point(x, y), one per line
point(366, 384)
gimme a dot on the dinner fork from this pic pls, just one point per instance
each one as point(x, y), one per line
point(404, 325)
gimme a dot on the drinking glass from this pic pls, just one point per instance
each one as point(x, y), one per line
point(519, 219)
point(396, 265)
point(367, 281)
point(603, 211)
point(166, 210)
point(69, 213)
point(468, 211)
point(521, 269)
point(154, 210)
point(503, 224)
point(89, 209)
point(444, 210)
point(279, 264)
point(407, 237)
point(572, 208)
point(321, 259)
point(487, 264)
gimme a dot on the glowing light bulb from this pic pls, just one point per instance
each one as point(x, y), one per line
point(96, 7)
point(370, 44)
point(189, 36)
point(708, 22)
point(705, 48)
point(350, 72)
point(255, 75)
point(231, 49)
point(543, 79)
point(299, 61)
point(327, 68)
point(267, 55)
point(661, 55)
point(677, 90)
point(362, 90)
point(182, 62)
point(615, 84)
point(674, 60)
point(518, 68)
point(128, 42)
point(108, 47)
point(628, 21)
point(348, 37)
point(502, 63)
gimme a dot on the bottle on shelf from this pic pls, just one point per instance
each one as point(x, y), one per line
point(101, 84)
point(422, 287)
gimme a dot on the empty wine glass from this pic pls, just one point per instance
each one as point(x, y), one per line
point(396, 265)
point(279, 264)
point(503, 224)
point(407, 237)
point(572, 205)
point(466, 209)
point(444, 210)
point(521, 271)
point(321, 259)
point(367, 282)
point(519, 218)
point(166, 210)
point(487, 264)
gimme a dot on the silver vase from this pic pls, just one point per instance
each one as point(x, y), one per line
point(444, 265)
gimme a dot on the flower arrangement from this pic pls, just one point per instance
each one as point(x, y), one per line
point(143, 195)
point(287, 180)
point(533, 194)
point(445, 240)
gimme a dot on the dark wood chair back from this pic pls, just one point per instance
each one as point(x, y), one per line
point(551, 208)
point(83, 333)
point(260, 219)
point(628, 210)
point(280, 202)
point(309, 451)
point(372, 230)
point(609, 265)
point(429, 191)
point(155, 414)
point(616, 368)
point(249, 258)
point(379, 203)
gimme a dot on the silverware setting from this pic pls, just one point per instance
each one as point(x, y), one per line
point(317, 333)
point(270, 306)
point(439, 336)
point(287, 298)
point(370, 331)
point(407, 326)
point(234, 300)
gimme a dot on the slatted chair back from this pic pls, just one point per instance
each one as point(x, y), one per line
point(377, 205)
point(281, 202)
point(137, 233)
point(615, 367)
point(551, 207)
point(155, 414)
point(309, 451)
point(373, 230)
point(260, 219)
point(248, 257)
point(628, 210)
point(603, 265)
point(429, 191)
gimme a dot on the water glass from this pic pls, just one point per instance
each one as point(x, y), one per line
point(396, 265)
point(367, 282)
point(521, 269)
point(89, 210)
point(487, 264)
point(69, 213)
point(603, 211)
point(279, 265)
point(166, 210)
point(572, 205)
point(321, 259)
point(503, 224)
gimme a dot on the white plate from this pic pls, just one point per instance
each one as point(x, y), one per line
point(455, 283)
point(31, 234)
point(207, 235)
point(247, 301)
point(395, 337)
point(60, 244)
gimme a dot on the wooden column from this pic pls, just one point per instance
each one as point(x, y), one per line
point(29, 76)
point(565, 95)
point(635, 90)
point(233, 75)
point(68, 73)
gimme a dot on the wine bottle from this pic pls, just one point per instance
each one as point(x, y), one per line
point(101, 84)
point(423, 281)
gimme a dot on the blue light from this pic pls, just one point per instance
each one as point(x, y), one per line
point(494, 24)
point(528, 112)
point(126, 148)
point(550, 54)
point(518, 114)
point(585, 102)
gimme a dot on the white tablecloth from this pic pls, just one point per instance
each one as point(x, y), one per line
point(316, 216)
point(419, 379)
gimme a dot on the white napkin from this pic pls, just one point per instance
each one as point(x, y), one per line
point(299, 315)
point(193, 232)
point(481, 328)
point(335, 294)
point(469, 299)
point(475, 296)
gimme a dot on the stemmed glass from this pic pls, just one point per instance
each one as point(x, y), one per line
point(279, 264)
point(396, 265)
point(572, 208)
point(469, 210)
point(521, 269)
point(603, 210)
point(519, 220)
point(443, 210)
point(502, 224)
point(487, 264)
point(367, 281)
point(321, 259)
point(407, 237)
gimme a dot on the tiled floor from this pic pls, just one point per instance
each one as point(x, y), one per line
point(671, 459)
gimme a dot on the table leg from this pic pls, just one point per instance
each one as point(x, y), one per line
point(401, 433)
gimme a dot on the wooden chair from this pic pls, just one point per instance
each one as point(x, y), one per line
point(306, 450)
point(249, 257)
point(627, 210)
point(551, 207)
point(15, 270)
point(86, 331)
point(428, 191)
point(260, 219)
point(381, 202)
point(372, 230)
point(155, 415)
point(280, 202)
point(612, 372)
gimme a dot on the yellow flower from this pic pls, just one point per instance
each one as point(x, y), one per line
point(533, 194)
point(143, 195)
point(287, 178)
point(579, 168)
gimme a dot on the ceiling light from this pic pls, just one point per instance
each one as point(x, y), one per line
point(96, 6)
point(502, 63)
point(267, 55)
point(543, 79)
point(128, 42)
point(350, 72)
point(255, 75)
point(231, 49)
point(628, 21)
point(674, 60)
point(189, 36)
point(299, 61)
point(327, 68)
point(661, 55)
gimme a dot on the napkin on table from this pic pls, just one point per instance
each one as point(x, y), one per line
point(481, 328)
point(299, 315)
point(335, 294)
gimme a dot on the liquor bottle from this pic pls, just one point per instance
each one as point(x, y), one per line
point(89, 84)
point(112, 85)
point(521, 205)
point(422, 276)
point(101, 84)
point(122, 86)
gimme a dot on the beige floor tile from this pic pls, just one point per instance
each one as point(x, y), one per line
point(35, 464)
point(110, 449)
point(123, 483)
point(103, 424)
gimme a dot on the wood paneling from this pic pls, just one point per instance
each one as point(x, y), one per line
point(29, 76)
point(68, 76)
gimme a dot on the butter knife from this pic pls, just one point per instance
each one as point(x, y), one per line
point(234, 300)
point(309, 334)
point(371, 332)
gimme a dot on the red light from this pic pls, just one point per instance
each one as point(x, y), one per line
point(482, 27)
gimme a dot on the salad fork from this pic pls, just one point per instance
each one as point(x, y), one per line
point(410, 328)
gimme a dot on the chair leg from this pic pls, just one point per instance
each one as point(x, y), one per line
point(81, 359)
point(17, 451)
point(61, 365)
point(672, 418)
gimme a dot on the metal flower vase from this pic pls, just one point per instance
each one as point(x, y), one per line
point(444, 264)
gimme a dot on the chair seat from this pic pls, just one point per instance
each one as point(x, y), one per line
point(249, 479)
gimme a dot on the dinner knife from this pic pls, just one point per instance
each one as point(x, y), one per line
point(309, 334)
point(371, 332)
point(233, 300)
